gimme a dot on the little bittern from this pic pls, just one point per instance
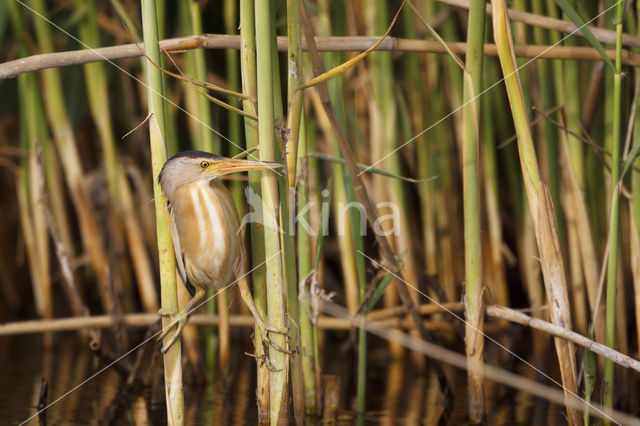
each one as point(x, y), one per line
point(205, 227)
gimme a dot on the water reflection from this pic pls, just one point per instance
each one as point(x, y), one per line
point(396, 393)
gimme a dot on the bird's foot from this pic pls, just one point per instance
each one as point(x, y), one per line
point(264, 358)
point(179, 320)
point(283, 332)
point(264, 331)
point(261, 326)
point(279, 348)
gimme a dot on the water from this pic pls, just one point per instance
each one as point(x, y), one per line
point(396, 393)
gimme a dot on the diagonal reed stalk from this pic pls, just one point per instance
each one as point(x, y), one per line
point(172, 358)
point(540, 206)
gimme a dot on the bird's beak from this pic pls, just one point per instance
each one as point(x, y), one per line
point(231, 165)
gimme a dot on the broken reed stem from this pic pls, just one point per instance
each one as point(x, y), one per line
point(541, 208)
point(356, 43)
point(169, 298)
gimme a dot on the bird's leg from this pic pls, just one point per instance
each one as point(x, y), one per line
point(261, 326)
point(179, 318)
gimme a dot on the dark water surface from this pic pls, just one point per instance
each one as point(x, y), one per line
point(397, 394)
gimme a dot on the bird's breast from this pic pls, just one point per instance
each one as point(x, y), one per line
point(205, 224)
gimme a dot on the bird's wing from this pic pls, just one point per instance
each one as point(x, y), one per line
point(179, 258)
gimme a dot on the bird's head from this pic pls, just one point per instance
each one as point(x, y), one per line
point(190, 167)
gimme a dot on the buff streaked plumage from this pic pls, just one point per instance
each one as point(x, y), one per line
point(205, 226)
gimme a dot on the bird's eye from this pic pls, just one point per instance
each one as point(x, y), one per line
point(204, 164)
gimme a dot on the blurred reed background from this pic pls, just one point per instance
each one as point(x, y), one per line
point(418, 183)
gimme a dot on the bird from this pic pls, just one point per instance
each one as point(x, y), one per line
point(205, 228)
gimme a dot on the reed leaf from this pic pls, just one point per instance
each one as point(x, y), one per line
point(586, 32)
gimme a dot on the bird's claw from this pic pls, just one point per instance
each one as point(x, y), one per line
point(284, 332)
point(179, 320)
point(277, 347)
point(263, 331)
point(270, 366)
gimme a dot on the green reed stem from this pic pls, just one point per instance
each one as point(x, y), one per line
point(573, 110)
point(614, 217)
point(32, 131)
point(230, 11)
point(265, 34)
point(249, 88)
point(208, 140)
point(68, 152)
point(295, 114)
point(472, 83)
point(539, 204)
point(169, 296)
point(305, 259)
point(123, 207)
point(635, 179)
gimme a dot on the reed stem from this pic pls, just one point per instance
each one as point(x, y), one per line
point(614, 215)
point(172, 357)
point(67, 149)
point(270, 202)
point(540, 206)
point(472, 83)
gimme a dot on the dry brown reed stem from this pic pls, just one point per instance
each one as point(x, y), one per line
point(71, 290)
point(424, 309)
point(147, 319)
point(512, 315)
point(540, 207)
point(576, 210)
point(502, 312)
point(325, 44)
point(324, 322)
point(601, 34)
point(67, 148)
point(490, 372)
